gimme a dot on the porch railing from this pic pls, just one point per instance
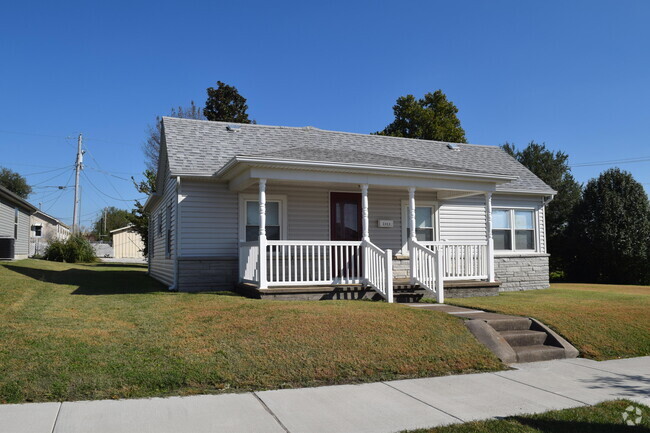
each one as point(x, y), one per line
point(314, 262)
point(462, 260)
point(300, 263)
point(426, 268)
point(378, 269)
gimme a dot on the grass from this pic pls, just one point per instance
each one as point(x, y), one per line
point(605, 417)
point(74, 331)
point(602, 321)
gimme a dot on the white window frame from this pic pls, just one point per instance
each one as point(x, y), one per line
point(16, 222)
point(282, 208)
point(513, 229)
point(34, 230)
point(405, 218)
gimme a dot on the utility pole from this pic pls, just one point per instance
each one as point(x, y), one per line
point(105, 222)
point(78, 166)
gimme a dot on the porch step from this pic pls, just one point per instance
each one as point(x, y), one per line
point(524, 337)
point(510, 323)
point(517, 339)
point(538, 352)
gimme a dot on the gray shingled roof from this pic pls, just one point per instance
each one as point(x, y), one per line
point(201, 147)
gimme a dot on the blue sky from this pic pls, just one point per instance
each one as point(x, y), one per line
point(575, 75)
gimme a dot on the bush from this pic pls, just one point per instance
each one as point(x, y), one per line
point(74, 250)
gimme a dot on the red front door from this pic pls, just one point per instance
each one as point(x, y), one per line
point(345, 216)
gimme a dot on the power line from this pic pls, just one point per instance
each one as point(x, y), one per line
point(35, 134)
point(104, 194)
point(48, 179)
point(613, 161)
point(47, 171)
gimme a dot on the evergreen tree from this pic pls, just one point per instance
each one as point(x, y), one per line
point(432, 117)
point(611, 231)
point(225, 104)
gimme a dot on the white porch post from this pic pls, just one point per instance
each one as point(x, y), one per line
point(364, 212)
point(365, 237)
point(262, 200)
point(488, 229)
point(413, 236)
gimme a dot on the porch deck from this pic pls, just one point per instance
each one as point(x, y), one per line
point(403, 291)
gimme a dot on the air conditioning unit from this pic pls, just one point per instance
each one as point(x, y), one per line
point(7, 247)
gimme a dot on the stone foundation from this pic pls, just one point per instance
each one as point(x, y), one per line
point(522, 271)
point(197, 274)
point(401, 268)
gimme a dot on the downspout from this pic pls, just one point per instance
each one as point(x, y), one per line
point(545, 202)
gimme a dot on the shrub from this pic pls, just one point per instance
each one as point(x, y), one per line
point(74, 250)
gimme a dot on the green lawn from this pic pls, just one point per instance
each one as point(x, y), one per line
point(602, 321)
point(606, 417)
point(96, 331)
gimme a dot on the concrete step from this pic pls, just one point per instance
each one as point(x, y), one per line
point(538, 353)
point(510, 323)
point(524, 337)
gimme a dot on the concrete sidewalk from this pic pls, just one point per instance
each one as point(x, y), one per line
point(373, 407)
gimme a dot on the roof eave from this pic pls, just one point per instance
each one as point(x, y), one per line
point(251, 161)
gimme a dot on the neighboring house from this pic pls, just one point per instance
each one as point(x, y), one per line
point(45, 228)
point(127, 243)
point(14, 225)
point(284, 208)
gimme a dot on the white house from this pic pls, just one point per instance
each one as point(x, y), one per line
point(14, 225)
point(43, 229)
point(304, 210)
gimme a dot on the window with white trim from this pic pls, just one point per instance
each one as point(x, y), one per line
point(38, 230)
point(425, 223)
point(273, 226)
point(16, 213)
point(513, 229)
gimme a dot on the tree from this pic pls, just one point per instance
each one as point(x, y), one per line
point(111, 218)
point(151, 146)
point(553, 168)
point(432, 117)
point(611, 231)
point(138, 217)
point(225, 104)
point(15, 183)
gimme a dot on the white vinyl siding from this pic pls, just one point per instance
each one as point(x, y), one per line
point(209, 212)
point(462, 219)
point(210, 215)
point(162, 267)
point(8, 227)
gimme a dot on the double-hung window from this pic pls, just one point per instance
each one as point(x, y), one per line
point(425, 223)
point(273, 226)
point(513, 229)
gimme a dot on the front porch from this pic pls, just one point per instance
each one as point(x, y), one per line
point(356, 269)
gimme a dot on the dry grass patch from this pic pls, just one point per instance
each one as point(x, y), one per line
point(107, 331)
point(602, 321)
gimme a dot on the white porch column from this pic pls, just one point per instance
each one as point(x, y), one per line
point(488, 229)
point(364, 212)
point(262, 201)
point(413, 236)
point(412, 212)
point(365, 231)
